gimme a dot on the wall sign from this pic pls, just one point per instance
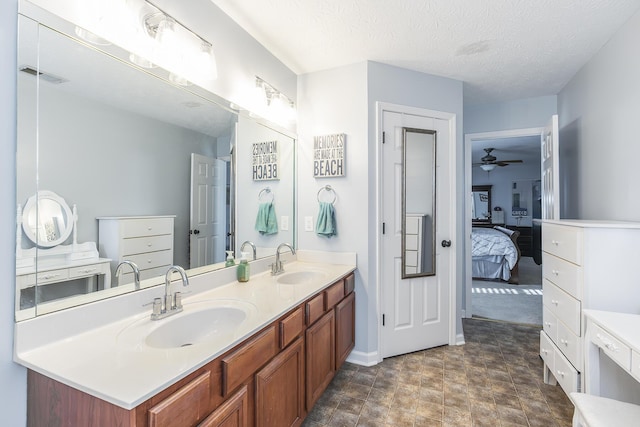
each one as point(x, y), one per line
point(329, 155)
point(265, 160)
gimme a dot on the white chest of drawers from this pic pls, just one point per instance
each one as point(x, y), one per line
point(145, 240)
point(585, 265)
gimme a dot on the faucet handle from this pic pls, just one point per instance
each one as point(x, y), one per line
point(177, 300)
point(157, 306)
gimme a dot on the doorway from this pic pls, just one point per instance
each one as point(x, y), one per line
point(516, 195)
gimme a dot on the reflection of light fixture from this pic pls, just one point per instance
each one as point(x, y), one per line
point(275, 103)
point(488, 167)
point(90, 37)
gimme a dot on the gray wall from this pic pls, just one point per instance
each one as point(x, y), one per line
point(13, 378)
point(598, 116)
point(519, 114)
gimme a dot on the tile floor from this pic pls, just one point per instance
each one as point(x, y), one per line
point(495, 380)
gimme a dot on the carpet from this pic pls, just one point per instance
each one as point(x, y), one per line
point(521, 303)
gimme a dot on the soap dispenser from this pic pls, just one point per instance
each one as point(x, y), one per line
point(230, 260)
point(243, 270)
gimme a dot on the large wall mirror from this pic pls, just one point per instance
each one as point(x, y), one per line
point(114, 140)
point(481, 204)
point(418, 203)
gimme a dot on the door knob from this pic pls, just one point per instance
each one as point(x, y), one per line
point(446, 243)
point(196, 231)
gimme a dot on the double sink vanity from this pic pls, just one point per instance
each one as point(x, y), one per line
point(255, 353)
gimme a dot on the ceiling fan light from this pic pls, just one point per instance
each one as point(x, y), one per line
point(488, 167)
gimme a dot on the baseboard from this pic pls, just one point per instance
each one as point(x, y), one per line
point(460, 339)
point(363, 359)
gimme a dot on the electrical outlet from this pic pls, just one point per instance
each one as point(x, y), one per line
point(308, 223)
point(284, 223)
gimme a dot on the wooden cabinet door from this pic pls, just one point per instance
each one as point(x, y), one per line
point(232, 413)
point(345, 328)
point(320, 357)
point(280, 389)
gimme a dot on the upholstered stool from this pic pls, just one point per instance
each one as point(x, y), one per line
point(596, 411)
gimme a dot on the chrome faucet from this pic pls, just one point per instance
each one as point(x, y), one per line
point(171, 303)
point(253, 246)
point(136, 272)
point(276, 267)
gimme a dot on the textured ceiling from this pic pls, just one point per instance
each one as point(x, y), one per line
point(501, 49)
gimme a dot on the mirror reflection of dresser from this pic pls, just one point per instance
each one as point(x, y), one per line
point(42, 258)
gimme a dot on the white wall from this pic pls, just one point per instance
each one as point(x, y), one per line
point(598, 116)
point(13, 378)
point(519, 114)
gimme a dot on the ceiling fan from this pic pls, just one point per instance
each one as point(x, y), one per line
point(489, 161)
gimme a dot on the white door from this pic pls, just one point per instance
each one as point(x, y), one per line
point(550, 171)
point(416, 311)
point(208, 210)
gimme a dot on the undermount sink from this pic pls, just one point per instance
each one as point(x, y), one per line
point(200, 324)
point(300, 277)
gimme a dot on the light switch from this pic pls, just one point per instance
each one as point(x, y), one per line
point(284, 223)
point(308, 223)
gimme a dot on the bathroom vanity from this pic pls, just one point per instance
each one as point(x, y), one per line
point(268, 370)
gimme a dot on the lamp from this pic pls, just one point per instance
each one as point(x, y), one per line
point(488, 167)
point(274, 103)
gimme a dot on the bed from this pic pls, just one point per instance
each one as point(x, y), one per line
point(495, 254)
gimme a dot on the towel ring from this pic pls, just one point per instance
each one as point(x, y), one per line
point(328, 189)
point(266, 190)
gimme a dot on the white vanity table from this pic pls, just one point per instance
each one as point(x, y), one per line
point(612, 337)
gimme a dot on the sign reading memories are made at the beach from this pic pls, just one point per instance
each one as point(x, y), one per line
point(265, 160)
point(329, 155)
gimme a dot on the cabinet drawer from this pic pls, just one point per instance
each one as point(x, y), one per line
point(547, 350)
point(570, 345)
point(52, 276)
point(613, 347)
point(565, 275)
point(233, 412)
point(549, 323)
point(291, 327)
point(247, 359)
point(146, 227)
point(88, 270)
point(563, 241)
point(138, 245)
point(349, 283)
point(152, 259)
point(314, 309)
point(565, 373)
point(563, 306)
point(334, 294)
point(185, 407)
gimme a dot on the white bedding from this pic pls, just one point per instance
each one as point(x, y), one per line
point(491, 242)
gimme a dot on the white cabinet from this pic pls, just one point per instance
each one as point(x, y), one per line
point(585, 265)
point(145, 240)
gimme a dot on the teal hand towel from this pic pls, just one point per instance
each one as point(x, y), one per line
point(326, 224)
point(266, 220)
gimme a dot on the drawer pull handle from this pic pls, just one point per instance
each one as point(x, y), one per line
point(562, 374)
point(548, 324)
point(88, 270)
point(149, 261)
point(555, 242)
point(555, 272)
point(554, 301)
point(49, 276)
point(565, 342)
point(149, 228)
point(149, 245)
point(608, 344)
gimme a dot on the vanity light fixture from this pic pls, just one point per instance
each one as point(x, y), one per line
point(275, 104)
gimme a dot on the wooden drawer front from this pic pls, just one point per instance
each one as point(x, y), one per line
point(349, 283)
point(52, 276)
point(247, 359)
point(547, 350)
point(314, 309)
point(152, 259)
point(291, 327)
point(563, 306)
point(565, 275)
point(334, 294)
point(563, 241)
point(565, 373)
point(146, 227)
point(140, 245)
point(570, 345)
point(549, 323)
point(233, 412)
point(613, 347)
point(88, 270)
point(185, 407)
point(635, 364)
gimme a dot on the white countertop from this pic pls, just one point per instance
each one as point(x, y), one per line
point(114, 363)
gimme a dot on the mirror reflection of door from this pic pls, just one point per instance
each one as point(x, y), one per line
point(418, 203)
